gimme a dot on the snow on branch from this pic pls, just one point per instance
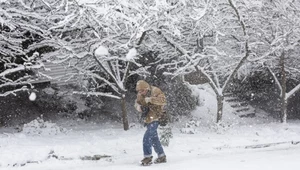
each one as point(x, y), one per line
point(276, 80)
point(267, 54)
point(108, 70)
point(20, 68)
point(292, 92)
point(97, 94)
point(246, 46)
point(178, 48)
point(64, 22)
point(97, 76)
point(13, 92)
point(276, 48)
point(238, 16)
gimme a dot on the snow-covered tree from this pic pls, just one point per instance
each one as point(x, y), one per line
point(101, 41)
point(215, 44)
point(278, 30)
point(21, 25)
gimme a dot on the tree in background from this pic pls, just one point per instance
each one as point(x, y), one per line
point(277, 31)
point(208, 42)
point(22, 24)
point(101, 42)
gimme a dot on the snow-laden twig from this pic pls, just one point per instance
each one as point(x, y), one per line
point(20, 68)
point(276, 80)
point(292, 92)
point(97, 94)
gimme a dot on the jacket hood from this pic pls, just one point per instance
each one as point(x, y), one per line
point(142, 85)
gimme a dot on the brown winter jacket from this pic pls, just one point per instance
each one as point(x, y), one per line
point(156, 104)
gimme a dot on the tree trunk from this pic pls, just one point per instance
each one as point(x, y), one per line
point(283, 96)
point(124, 113)
point(220, 108)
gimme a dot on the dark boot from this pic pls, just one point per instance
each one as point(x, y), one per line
point(162, 159)
point(147, 161)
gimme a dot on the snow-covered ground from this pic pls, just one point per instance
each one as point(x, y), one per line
point(206, 149)
point(230, 146)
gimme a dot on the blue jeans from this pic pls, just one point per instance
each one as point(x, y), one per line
point(151, 139)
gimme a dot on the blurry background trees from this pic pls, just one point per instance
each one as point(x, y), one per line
point(241, 47)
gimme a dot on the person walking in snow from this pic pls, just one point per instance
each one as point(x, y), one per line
point(152, 100)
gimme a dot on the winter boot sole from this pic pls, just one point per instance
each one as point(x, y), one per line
point(146, 164)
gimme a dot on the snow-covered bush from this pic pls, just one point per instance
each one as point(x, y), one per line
point(190, 127)
point(222, 127)
point(40, 127)
point(51, 99)
point(68, 104)
point(165, 135)
point(180, 101)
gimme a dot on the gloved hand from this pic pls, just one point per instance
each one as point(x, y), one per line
point(148, 99)
point(137, 107)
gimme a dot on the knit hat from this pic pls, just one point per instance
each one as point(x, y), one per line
point(142, 85)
